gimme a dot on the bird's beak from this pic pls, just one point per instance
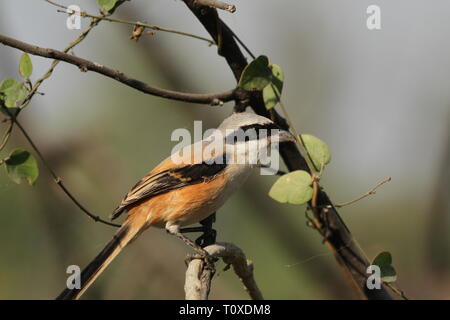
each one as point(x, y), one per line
point(286, 136)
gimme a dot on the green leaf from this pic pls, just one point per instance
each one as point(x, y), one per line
point(318, 150)
point(12, 91)
point(256, 75)
point(25, 66)
point(106, 4)
point(22, 165)
point(384, 261)
point(272, 92)
point(7, 83)
point(294, 187)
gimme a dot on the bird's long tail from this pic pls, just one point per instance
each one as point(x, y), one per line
point(124, 235)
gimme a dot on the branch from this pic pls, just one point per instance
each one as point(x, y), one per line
point(336, 235)
point(85, 65)
point(198, 278)
point(217, 4)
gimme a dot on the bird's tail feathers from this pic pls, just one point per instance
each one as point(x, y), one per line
point(124, 235)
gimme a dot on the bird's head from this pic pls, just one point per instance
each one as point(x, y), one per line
point(252, 136)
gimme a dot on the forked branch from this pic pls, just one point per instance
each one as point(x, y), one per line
point(198, 276)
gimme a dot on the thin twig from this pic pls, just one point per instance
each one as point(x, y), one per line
point(57, 179)
point(217, 4)
point(49, 72)
point(85, 14)
point(240, 42)
point(71, 45)
point(373, 191)
point(6, 135)
point(85, 65)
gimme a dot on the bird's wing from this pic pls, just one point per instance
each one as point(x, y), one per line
point(158, 182)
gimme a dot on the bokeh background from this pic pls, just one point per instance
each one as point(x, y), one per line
point(380, 99)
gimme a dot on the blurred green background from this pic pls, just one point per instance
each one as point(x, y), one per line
point(380, 99)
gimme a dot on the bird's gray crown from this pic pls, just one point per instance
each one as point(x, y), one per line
point(243, 120)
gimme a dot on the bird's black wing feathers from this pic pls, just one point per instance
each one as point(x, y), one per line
point(165, 181)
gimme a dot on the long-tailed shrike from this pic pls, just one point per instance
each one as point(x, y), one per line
point(179, 193)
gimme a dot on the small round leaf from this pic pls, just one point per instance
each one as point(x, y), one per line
point(7, 83)
point(22, 165)
point(12, 91)
point(25, 66)
point(106, 4)
point(294, 188)
point(318, 150)
point(384, 261)
point(256, 75)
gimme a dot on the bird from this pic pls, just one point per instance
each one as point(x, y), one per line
point(179, 193)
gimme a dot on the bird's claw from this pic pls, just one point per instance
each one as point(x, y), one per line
point(207, 259)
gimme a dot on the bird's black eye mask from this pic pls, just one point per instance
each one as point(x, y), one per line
point(252, 132)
